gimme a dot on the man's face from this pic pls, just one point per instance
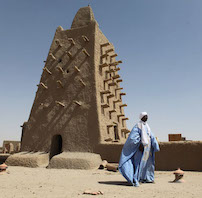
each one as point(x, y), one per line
point(145, 118)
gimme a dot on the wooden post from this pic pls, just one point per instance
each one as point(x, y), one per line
point(114, 55)
point(60, 103)
point(77, 69)
point(58, 43)
point(110, 96)
point(85, 52)
point(48, 71)
point(60, 83)
point(109, 50)
point(84, 84)
point(71, 40)
point(104, 105)
point(104, 56)
point(122, 94)
point(117, 69)
point(109, 79)
point(60, 69)
point(43, 85)
point(123, 105)
point(85, 38)
point(69, 54)
point(120, 80)
point(112, 84)
point(103, 65)
point(78, 103)
point(52, 56)
point(105, 44)
point(125, 131)
point(105, 92)
point(116, 76)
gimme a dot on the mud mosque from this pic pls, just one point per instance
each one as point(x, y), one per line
point(77, 117)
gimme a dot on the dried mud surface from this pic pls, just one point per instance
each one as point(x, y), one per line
point(62, 183)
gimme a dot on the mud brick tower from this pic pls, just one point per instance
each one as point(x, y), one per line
point(78, 105)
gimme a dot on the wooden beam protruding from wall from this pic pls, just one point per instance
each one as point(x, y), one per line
point(85, 38)
point(123, 105)
point(116, 76)
point(105, 44)
point(77, 69)
point(69, 54)
point(52, 56)
point(119, 80)
point(60, 103)
point(71, 40)
point(43, 85)
point(60, 83)
point(47, 70)
point(105, 92)
point(114, 55)
point(85, 52)
point(57, 42)
point(109, 50)
point(104, 105)
point(125, 131)
point(77, 102)
point(104, 65)
point(82, 82)
point(60, 69)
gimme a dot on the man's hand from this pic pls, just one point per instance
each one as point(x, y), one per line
point(141, 147)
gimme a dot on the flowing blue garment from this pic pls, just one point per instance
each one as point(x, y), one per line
point(137, 166)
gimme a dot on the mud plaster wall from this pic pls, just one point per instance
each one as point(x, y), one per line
point(78, 125)
point(107, 119)
point(186, 155)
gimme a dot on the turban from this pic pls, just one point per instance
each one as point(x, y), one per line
point(142, 115)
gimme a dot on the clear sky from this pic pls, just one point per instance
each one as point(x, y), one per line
point(159, 42)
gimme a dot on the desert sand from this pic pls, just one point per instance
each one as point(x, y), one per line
point(22, 182)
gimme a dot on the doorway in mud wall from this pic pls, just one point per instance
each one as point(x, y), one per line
point(56, 146)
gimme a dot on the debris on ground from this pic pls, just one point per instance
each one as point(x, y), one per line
point(178, 176)
point(3, 168)
point(90, 192)
point(109, 166)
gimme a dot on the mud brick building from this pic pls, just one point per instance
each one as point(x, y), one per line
point(78, 105)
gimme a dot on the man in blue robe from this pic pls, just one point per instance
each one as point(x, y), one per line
point(137, 161)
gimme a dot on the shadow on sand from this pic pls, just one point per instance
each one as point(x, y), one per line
point(118, 183)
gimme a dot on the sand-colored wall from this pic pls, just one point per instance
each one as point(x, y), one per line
point(108, 120)
point(185, 154)
point(77, 124)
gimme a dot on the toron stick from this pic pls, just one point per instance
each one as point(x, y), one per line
point(60, 103)
point(78, 103)
point(84, 84)
point(85, 38)
point(71, 40)
point(85, 52)
point(43, 85)
point(60, 83)
point(77, 69)
point(48, 71)
point(60, 69)
point(105, 44)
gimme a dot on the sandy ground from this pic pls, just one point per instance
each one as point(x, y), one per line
point(62, 183)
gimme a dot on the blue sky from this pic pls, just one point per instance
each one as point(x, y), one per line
point(159, 42)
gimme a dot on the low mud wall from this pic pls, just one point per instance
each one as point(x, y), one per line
point(184, 154)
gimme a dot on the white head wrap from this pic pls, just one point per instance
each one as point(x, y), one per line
point(145, 129)
point(142, 115)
